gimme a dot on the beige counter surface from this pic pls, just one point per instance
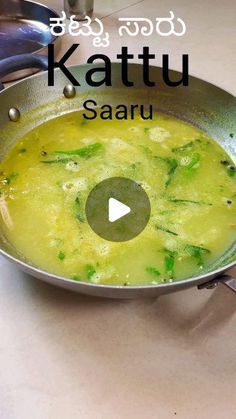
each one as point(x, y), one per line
point(65, 356)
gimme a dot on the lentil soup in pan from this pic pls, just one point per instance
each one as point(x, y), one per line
point(190, 181)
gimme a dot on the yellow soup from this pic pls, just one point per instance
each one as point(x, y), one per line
point(190, 181)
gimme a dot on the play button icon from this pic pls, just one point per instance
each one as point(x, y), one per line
point(117, 209)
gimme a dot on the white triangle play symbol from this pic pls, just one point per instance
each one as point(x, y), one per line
point(116, 210)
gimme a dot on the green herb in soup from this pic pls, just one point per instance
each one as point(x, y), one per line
point(190, 181)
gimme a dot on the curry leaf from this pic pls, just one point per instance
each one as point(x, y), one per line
point(166, 230)
point(56, 161)
point(172, 165)
point(84, 152)
point(188, 201)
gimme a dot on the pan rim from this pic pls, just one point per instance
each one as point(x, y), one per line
point(163, 286)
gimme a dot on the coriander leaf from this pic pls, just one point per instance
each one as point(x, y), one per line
point(195, 159)
point(169, 264)
point(197, 252)
point(76, 278)
point(231, 171)
point(169, 261)
point(152, 270)
point(84, 122)
point(90, 271)
point(61, 256)
point(186, 146)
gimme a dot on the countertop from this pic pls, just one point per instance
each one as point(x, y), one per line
point(64, 355)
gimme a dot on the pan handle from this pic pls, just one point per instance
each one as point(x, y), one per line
point(230, 282)
point(227, 280)
point(21, 62)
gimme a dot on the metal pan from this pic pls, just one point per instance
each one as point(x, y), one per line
point(24, 28)
point(201, 104)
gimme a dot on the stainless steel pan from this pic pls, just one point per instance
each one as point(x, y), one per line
point(30, 102)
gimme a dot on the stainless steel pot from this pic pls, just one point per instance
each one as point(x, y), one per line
point(25, 28)
point(30, 102)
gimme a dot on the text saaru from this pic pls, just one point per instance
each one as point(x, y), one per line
point(119, 112)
